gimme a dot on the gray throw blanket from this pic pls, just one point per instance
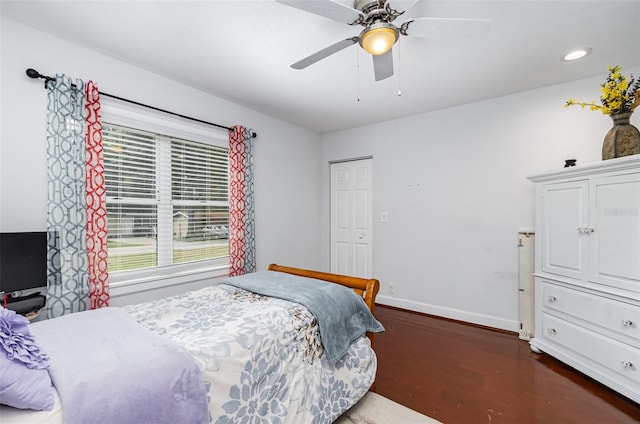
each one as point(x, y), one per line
point(107, 368)
point(342, 315)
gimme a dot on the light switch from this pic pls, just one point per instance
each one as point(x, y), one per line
point(384, 217)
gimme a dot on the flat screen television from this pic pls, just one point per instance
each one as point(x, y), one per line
point(23, 261)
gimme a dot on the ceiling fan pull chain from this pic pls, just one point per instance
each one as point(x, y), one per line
point(358, 74)
point(399, 67)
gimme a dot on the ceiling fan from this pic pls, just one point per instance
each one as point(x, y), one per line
point(380, 31)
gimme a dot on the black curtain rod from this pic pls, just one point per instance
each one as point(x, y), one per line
point(32, 73)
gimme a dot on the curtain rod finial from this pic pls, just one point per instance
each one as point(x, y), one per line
point(32, 73)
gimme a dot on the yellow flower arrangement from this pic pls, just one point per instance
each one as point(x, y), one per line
point(617, 95)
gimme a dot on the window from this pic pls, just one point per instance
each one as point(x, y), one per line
point(167, 199)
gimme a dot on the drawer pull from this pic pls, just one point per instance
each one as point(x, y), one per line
point(552, 331)
point(552, 299)
point(626, 364)
point(627, 323)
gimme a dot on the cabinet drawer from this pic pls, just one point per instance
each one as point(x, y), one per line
point(619, 317)
point(615, 357)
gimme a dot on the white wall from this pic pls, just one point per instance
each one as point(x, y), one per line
point(454, 185)
point(286, 157)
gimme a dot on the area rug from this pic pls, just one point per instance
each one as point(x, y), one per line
point(376, 409)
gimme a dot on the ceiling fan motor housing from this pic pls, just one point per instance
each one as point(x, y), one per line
point(374, 11)
point(366, 5)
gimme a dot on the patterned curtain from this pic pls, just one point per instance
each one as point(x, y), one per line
point(67, 279)
point(68, 197)
point(96, 195)
point(242, 239)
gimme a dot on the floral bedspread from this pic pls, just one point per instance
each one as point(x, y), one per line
point(261, 357)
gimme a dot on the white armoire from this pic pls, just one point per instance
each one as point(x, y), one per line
point(587, 270)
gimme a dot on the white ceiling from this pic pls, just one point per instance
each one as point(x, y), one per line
point(241, 51)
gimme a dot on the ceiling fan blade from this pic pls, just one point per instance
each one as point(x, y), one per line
point(448, 28)
point(383, 65)
point(328, 51)
point(328, 8)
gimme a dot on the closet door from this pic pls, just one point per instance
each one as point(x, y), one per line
point(351, 218)
point(565, 228)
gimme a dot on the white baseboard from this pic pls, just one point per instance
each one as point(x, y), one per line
point(457, 314)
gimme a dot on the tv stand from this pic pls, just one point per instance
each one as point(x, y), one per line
point(24, 305)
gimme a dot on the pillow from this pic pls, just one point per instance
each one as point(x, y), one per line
point(25, 382)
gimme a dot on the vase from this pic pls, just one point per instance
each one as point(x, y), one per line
point(621, 140)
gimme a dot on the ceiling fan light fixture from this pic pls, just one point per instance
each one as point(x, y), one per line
point(379, 38)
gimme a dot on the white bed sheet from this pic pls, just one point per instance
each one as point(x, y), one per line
point(10, 415)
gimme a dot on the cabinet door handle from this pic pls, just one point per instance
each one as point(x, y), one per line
point(627, 323)
point(585, 230)
point(552, 299)
point(626, 364)
point(552, 331)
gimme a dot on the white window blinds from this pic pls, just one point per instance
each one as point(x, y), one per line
point(200, 199)
point(167, 199)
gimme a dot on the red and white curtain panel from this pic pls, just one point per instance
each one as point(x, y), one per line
point(242, 239)
point(77, 276)
point(96, 195)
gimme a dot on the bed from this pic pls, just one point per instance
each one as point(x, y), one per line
point(286, 345)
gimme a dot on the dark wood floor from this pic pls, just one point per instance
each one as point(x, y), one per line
point(460, 373)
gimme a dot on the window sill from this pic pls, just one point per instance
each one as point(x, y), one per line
point(123, 287)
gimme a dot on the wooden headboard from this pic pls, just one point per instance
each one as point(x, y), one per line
point(366, 288)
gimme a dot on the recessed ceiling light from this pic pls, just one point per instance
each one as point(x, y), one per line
point(577, 54)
